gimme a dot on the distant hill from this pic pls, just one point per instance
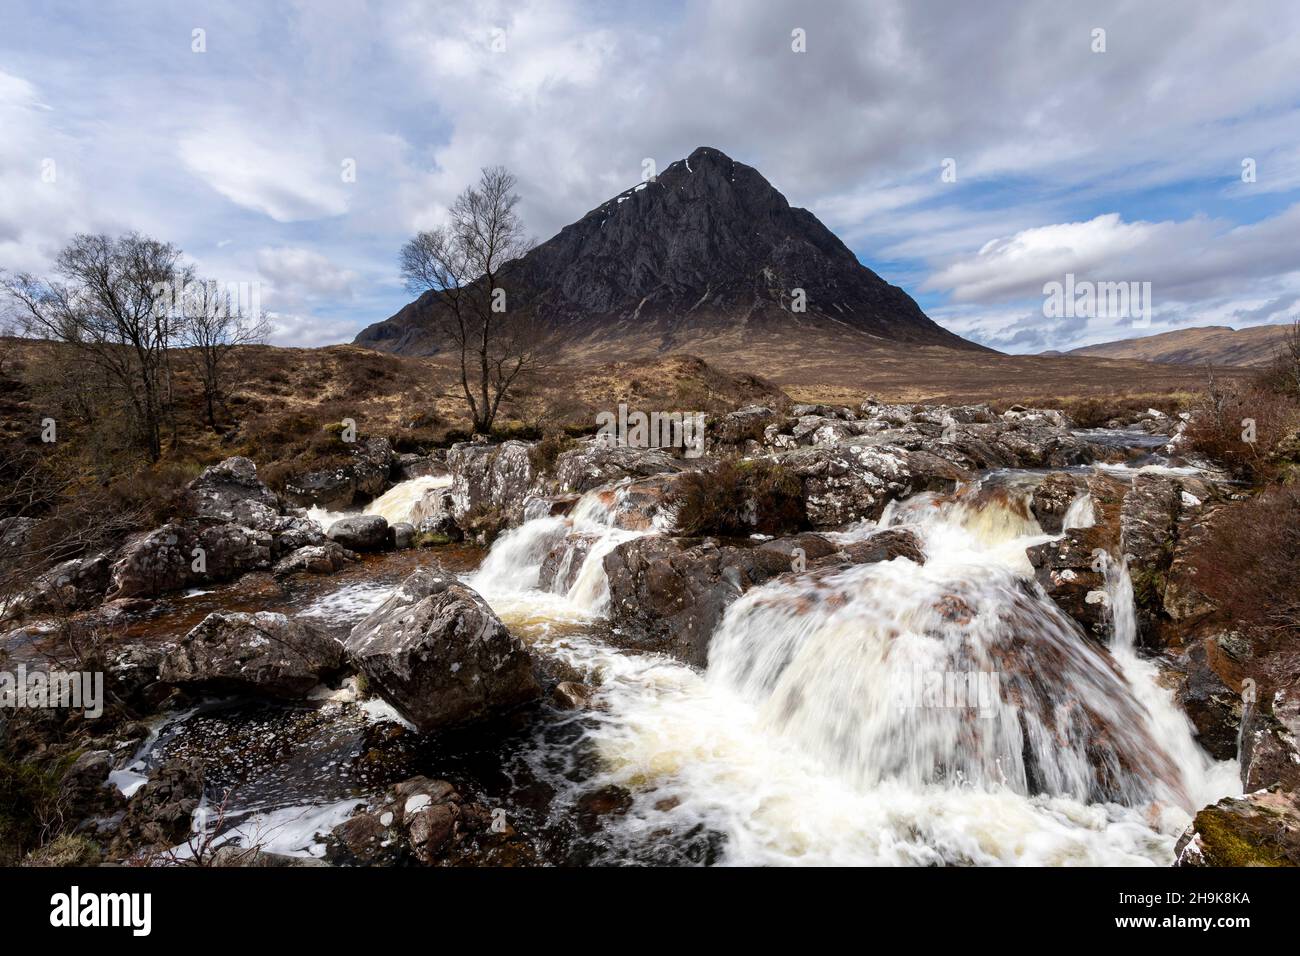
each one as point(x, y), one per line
point(705, 258)
point(1207, 345)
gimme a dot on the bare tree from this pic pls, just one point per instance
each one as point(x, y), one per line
point(214, 325)
point(461, 262)
point(111, 301)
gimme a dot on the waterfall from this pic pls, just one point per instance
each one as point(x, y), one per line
point(394, 505)
point(568, 551)
point(898, 713)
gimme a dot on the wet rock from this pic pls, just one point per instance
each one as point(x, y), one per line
point(324, 558)
point(490, 477)
point(364, 476)
point(418, 466)
point(403, 535)
point(569, 695)
point(360, 533)
point(158, 815)
point(263, 653)
point(1213, 706)
point(291, 532)
point(1052, 499)
point(1259, 829)
point(670, 594)
point(595, 464)
point(232, 492)
point(563, 563)
point(419, 821)
point(1270, 738)
point(229, 855)
point(1071, 571)
point(440, 655)
point(131, 674)
point(1148, 523)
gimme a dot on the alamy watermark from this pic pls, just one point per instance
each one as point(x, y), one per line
point(38, 690)
point(636, 429)
point(979, 691)
point(1085, 299)
point(208, 299)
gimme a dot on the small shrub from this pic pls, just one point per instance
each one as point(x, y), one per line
point(1218, 425)
point(543, 455)
point(1249, 563)
point(739, 497)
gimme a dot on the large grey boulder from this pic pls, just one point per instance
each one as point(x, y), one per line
point(360, 533)
point(184, 554)
point(490, 478)
point(263, 653)
point(324, 558)
point(440, 655)
point(68, 586)
point(596, 463)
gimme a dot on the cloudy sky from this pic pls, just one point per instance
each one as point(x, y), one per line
point(235, 142)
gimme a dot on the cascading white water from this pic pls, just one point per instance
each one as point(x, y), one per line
point(597, 524)
point(911, 714)
point(394, 505)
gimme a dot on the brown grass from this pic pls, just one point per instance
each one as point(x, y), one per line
point(736, 498)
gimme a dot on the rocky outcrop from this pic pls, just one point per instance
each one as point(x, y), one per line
point(68, 586)
point(360, 533)
point(263, 653)
point(440, 655)
point(1072, 572)
point(1052, 499)
point(316, 559)
point(232, 493)
point(158, 815)
point(595, 464)
point(669, 594)
point(365, 475)
point(1259, 829)
point(490, 478)
point(183, 554)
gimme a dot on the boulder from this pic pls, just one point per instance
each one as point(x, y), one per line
point(158, 815)
point(1213, 706)
point(440, 655)
point(68, 586)
point(360, 533)
point(232, 492)
point(365, 475)
point(490, 478)
point(264, 653)
point(403, 535)
point(324, 558)
point(669, 594)
point(1259, 829)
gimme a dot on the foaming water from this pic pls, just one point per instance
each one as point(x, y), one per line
point(396, 504)
point(575, 547)
point(905, 714)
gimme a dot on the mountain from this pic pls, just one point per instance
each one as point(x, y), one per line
point(704, 258)
point(1205, 345)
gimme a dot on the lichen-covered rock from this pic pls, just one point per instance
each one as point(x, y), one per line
point(1259, 829)
point(232, 492)
point(440, 655)
point(324, 558)
point(403, 535)
point(184, 554)
point(68, 586)
point(1071, 571)
point(360, 533)
point(490, 477)
point(594, 464)
point(263, 653)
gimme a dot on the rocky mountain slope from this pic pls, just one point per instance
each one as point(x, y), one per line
point(709, 248)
